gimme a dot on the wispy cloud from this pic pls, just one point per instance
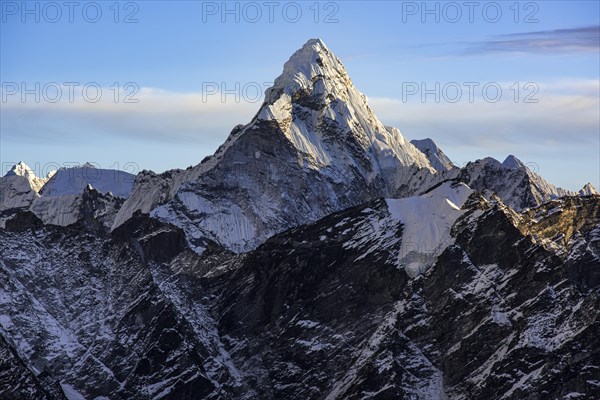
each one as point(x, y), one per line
point(584, 39)
point(562, 126)
point(158, 115)
point(565, 110)
point(568, 104)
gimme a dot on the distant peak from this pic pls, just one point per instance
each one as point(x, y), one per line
point(588, 190)
point(426, 143)
point(88, 165)
point(434, 154)
point(21, 169)
point(512, 162)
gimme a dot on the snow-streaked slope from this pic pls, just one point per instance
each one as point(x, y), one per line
point(321, 310)
point(313, 148)
point(89, 310)
point(425, 222)
point(73, 181)
point(438, 159)
point(516, 184)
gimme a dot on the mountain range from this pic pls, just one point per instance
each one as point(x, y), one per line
point(317, 254)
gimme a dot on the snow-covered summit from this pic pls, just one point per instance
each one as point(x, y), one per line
point(21, 169)
point(323, 115)
point(588, 190)
point(304, 68)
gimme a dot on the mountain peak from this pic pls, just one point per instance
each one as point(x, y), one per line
point(314, 69)
point(588, 190)
point(312, 43)
point(512, 162)
point(314, 104)
point(436, 156)
point(21, 169)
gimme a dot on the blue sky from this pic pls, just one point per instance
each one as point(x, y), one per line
point(169, 52)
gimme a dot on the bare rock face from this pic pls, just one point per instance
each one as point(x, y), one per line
point(18, 382)
point(499, 314)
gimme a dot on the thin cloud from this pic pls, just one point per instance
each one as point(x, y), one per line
point(157, 115)
point(574, 40)
point(564, 121)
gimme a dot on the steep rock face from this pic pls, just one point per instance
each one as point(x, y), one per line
point(314, 147)
point(320, 323)
point(89, 311)
point(18, 382)
point(16, 192)
point(519, 316)
point(496, 298)
point(319, 313)
point(67, 209)
point(512, 181)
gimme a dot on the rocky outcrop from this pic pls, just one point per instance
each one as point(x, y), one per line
point(513, 181)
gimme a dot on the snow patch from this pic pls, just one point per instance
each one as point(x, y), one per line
point(427, 221)
point(70, 392)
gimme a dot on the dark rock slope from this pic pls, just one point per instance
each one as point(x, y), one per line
point(508, 310)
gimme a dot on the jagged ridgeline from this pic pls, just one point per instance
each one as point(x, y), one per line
point(318, 254)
